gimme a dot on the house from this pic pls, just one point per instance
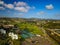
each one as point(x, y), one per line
point(13, 36)
point(38, 35)
point(2, 31)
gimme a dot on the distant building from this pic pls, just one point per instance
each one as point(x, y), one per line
point(38, 35)
point(8, 26)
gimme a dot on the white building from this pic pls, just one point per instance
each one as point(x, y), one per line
point(13, 36)
point(3, 31)
point(38, 35)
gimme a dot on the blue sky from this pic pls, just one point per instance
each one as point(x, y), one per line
point(45, 9)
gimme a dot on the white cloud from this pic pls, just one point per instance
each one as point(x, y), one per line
point(28, 7)
point(1, 2)
point(15, 3)
point(21, 4)
point(2, 8)
point(10, 6)
point(41, 13)
point(21, 9)
point(50, 6)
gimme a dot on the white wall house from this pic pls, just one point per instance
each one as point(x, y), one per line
point(13, 36)
point(38, 35)
point(2, 31)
